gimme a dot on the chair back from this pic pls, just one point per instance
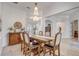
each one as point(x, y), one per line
point(26, 38)
point(57, 38)
point(21, 35)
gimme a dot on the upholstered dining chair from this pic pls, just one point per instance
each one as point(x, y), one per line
point(22, 40)
point(29, 48)
point(51, 48)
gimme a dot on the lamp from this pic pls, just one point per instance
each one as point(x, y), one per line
point(35, 16)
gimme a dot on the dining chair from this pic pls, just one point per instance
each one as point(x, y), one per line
point(29, 48)
point(51, 48)
point(21, 36)
point(22, 41)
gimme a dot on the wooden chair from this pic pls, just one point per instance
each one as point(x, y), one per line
point(29, 48)
point(22, 41)
point(51, 48)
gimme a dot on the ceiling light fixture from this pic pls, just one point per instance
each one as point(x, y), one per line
point(35, 16)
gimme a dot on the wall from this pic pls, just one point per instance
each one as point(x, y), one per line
point(64, 22)
point(65, 19)
point(76, 16)
point(0, 32)
point(78, 29)
point(10, 14)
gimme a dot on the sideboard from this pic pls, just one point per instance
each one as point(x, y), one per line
point(14, 38)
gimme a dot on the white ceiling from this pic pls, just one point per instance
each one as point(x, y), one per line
point(46, 8)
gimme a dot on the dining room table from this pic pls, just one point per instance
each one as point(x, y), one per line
point(42, 40)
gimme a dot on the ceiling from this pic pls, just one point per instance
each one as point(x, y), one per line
point(29, 6)
point(46, 8)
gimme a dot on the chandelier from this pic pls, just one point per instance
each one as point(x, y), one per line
point(35, 16)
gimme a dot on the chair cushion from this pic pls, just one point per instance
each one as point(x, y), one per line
point(47, 45)
point(35, 43)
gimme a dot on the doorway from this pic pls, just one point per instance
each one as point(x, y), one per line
point(75, 29)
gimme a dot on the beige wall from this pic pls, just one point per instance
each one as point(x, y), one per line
point(0, 33)
point(10, 14)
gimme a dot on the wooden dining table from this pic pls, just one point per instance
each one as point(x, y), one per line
point(42, 40)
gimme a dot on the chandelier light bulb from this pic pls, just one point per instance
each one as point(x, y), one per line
point(36, 8)
point(36, 11)
point(35, 18)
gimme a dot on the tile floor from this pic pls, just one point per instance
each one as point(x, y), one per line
point(68, 48)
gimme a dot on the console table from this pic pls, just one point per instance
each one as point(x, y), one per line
point(14, 38)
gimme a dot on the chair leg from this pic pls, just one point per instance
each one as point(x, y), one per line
point(58, 50)
point(44, 51)
point(53, 52)
point(50, 52)
point(30, 53)
point(39, 50)
point(24, 51)
point(21, 46)
point(25, 54)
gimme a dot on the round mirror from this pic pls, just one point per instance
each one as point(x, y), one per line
point(17, 25)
